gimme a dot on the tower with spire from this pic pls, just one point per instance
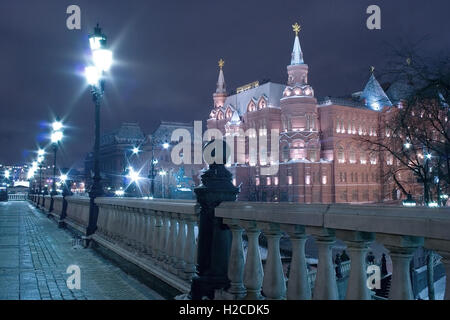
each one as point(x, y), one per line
point(221, 91)
point(298, 105)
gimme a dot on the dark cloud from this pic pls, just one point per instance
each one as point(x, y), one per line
point(167, 54)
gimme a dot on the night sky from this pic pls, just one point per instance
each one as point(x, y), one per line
point(166, 55)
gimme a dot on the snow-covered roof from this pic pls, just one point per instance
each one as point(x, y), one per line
point(271, 91)
point(374, 95)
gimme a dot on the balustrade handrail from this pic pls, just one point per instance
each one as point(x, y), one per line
point(420, 222)
point(166, 205)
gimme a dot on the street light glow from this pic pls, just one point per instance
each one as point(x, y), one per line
point(7, 174)
point(92, 75)
point(428, 155)
point(56, 136)
point(102, 59)
point(162, 173)
point(40, 159)
point(165, 145)
point(57, 125)
point(136, 150)
point(133, 175)
point(41, 152)
point(95, 43)
point(63, 178)
point(407, 145)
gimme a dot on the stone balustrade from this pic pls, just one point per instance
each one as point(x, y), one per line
point(47, 202)
point(77, 213)
point(401, 230)
point(17, 197)
point(157, 235)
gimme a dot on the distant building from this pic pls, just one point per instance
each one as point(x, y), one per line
point(118, 160)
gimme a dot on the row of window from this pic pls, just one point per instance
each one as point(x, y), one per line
point(356, 196)
point(355, 177)
point(352, 128)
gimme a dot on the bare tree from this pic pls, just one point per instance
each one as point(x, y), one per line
point(414, 135)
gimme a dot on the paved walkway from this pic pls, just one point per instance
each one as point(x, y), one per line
point(35, 254)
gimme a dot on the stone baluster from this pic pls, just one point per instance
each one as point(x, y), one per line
point(325, 287)
point(442, 247)
point(401, 250)
point(141, 230)
point(298, 283)
point(274, 282)
point(236, 262)
point(155, 242)
point(172, 242)
point(357, 246)
point(189, 252)
point(181, 242)
point(163, 237)
point(149, 231)
point(253, 270)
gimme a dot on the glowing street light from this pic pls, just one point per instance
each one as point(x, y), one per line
point(133, 175)
point(136, 150)
point(407, 145)
point(41, 152)
point(428, 156)
point(102, 59)
point(165, 145)
point(7, 174)
point(162, 173)
point(56, 136)
point(57, 125)
point(63, 178)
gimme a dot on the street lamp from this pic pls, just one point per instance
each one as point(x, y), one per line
point(101, 63)
point(55, 137)
point(40, 159)
point(136, 150)
point(163, 173)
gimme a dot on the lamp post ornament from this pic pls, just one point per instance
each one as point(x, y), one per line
point(214, 237)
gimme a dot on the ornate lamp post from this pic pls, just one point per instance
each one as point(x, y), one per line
point(55, 137)
point(40, 159)
point(102, 60)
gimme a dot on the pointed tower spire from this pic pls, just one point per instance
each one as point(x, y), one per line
point(221, 90)
point(297, 54)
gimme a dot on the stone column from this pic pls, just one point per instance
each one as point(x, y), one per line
point(171, 259)
point(236, 263)
point(401, 250)
point(155, 241)
point(214, 238)
point(274, 283)
point(357, 247)
point(179, 251)
point(163, 236)
point(298, 284)
point(189, 251)
point(253, 271)
point(325, 287)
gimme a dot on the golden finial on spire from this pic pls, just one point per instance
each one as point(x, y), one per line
point(372, 69)
point(296, 27)
point(221, 63)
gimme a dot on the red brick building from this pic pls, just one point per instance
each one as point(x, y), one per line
point(320, 157)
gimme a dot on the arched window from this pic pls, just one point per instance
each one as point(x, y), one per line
point(220, 115)
point(352, 156)
point(262, 103)
point(229, 113)
point(340, 155)
point(313, 155)
point(286, 154)
point(251, 106)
